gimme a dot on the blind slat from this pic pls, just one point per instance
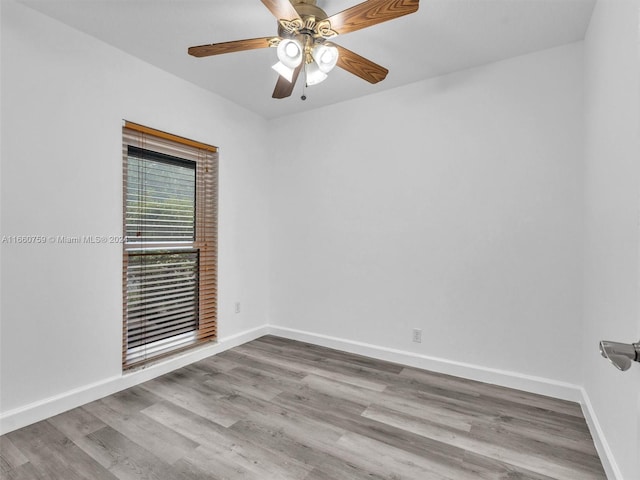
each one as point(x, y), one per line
point(162, 302)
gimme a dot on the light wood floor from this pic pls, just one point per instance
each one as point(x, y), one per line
point(279, 409)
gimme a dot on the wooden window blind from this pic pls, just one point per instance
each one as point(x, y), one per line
point(170, 187)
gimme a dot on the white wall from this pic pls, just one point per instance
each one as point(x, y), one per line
point(452, 205)
point(64, 95)
point(612, 191)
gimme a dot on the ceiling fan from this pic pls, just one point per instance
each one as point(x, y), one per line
point(304, 40)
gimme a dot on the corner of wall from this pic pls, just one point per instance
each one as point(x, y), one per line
point(602, 446)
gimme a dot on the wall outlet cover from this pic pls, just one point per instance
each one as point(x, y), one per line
point(417, 335)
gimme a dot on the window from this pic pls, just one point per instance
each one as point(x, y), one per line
point(170, 249)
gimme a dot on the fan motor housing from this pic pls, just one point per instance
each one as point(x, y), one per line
point(312, 22)
point(308, 8)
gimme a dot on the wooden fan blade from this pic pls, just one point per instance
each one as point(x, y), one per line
point(284, 87)
point(360, 66)
point(371, 13)
point(229, 47)
point(281, 9)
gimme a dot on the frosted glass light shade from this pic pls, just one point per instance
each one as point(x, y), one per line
point(284, 71)
point(290, 52)
point(314, 74)
point(326, 56)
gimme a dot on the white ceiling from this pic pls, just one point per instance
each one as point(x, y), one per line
point(442, 37)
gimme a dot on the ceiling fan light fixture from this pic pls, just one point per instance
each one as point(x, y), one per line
point(284, 71)
point(304, 41)
point(290, 53)
point(326, 57)
point(314, 74)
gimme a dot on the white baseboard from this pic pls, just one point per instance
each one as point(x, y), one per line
point(42, 409)
point(504, 378)
point(602, 446)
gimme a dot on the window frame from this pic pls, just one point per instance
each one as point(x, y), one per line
point(205, 242)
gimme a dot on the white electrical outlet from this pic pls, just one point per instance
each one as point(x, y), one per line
point(417, 335)
point(237, 307)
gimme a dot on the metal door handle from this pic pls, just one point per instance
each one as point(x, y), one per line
point(620, 354)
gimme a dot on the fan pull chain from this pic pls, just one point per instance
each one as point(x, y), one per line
point(304, 84)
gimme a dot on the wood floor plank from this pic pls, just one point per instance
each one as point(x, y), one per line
point(214, 463)
point(317, 474)
point(130, 401)
point(24, 472)
point(513, 450)
point(76, 423)
point(157, 438)
point(484, 468)
point(194, 400)
point(316, 403)
point(285, 446)
point(542, 431)
point(535, 455)
point(10, 456)
point(489, 409)
point(286, 371)
point(217, 363)
point(496, 392)
point(279, 409)
point(429, 428)
point(54, 455)
point(266, 357)
point(126, 459)
point(257, 376)
point(324, 353)
point(374, 456)
point(337, 389)
point(212, 437)
point(229, 384)
point(426, 448)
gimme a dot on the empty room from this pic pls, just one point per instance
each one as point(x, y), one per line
point(313, 240)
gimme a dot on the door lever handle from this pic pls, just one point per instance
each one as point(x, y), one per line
point(620, 354)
